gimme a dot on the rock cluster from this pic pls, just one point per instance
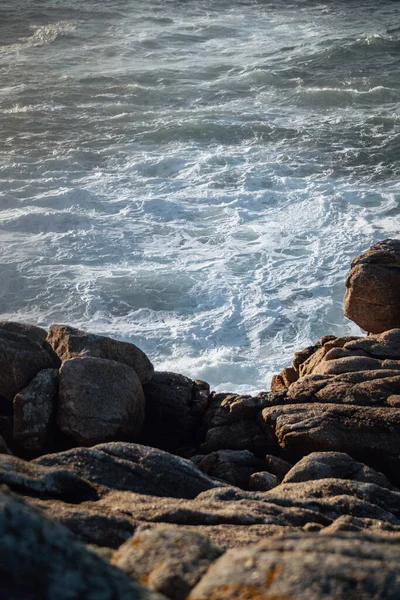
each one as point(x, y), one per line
point(121, 482)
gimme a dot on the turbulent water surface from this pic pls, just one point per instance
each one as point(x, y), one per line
point(195, 176)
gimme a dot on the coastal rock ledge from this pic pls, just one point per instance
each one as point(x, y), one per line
point(121, 482)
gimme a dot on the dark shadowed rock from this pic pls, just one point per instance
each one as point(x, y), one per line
point(36, 334)
point(234, 422)
point(99, 400)
point(3, 447)
point(306, 567)
point(174, 407)
point(277, 466)
point(369, 434)
point(136, 468)
point(372, 298)
point(232, 466)
point(30, 478)
point(20, 360)
point(169, 560)
point(326, 465)
point(34, 410)
point(69, 342)
point(41, 560)
point(262, 481)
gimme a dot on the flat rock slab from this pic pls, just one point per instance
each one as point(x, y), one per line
point(368, 434)
point(69, 342)
point(306, 567)
point(33, 479)
point(99, 400)
point(231, 517)
point(136, 468)
point(169, 560)
point(41, 559)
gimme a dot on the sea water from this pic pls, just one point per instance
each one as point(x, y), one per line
point(195, 176)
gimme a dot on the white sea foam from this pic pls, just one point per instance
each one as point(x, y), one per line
point(196, 183)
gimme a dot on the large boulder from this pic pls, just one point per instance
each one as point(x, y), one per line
point(372, 298)
point(174, 407)
point(69, 342)
point(21, 359)
point(133, 467)
point(99, 400)
point(41, 560)
point(169, 560)
point(307, 567)
point(34, 410)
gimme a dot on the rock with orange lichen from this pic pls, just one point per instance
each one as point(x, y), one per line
point(311, 566)
point(169, 560)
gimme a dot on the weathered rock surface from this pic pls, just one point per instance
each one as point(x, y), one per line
point(123, 466)
point(327, 465)
point(33, 479)
point(263, 481)
point(368, 434)
point(169, 560)
point(234, 422)
point(40, 560)
point(307, 567)
point(69, 342)
point(99, 400)
point(372, 298)
point(34, 410)
point(233, 466)
point(36, 334)
point(20, 360)
point(174, 407)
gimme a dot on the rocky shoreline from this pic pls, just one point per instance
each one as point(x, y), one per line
point(118, 481)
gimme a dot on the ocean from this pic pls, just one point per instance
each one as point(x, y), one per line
point(195, 176)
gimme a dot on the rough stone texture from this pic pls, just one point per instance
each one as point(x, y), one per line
point(20, 360)
point(33, 479)
point(36, 334)
point(364, 388)
point(277, 466)
point(232, 466)
point(372, 298)
point(262, 481)
point(307, 567)
point(230, 516)
point(174, 407)
point(69, 342)
point(42, 560)
point(369, 434)
point(383, 346)
point(123, 466)
point(34, 410)
point(169, 560)
point(327, 465)
point(234, 422)
point(99, 400)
